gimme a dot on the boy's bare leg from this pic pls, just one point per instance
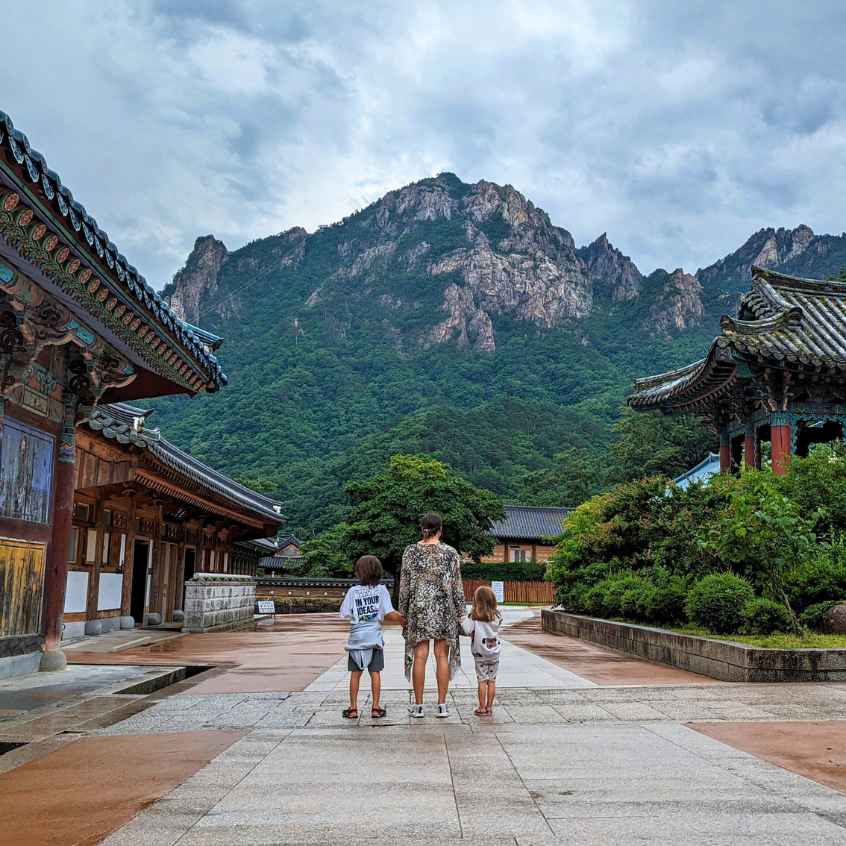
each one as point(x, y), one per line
point(375, 689)
point(418, 671)
point(442, 668)
point(483, 696)
point(491, 685)
point(355, 681)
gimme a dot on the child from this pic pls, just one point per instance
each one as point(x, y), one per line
point(483, 627)
point(366, 605)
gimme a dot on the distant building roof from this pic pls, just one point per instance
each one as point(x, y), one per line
point(702, 472)
point(528, 522)
point(280, 562)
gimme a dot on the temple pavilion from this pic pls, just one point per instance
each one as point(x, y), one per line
point(80, 328)
point(776, 372)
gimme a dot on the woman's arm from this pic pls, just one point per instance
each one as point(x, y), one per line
point(402, 604)
point(457, 587)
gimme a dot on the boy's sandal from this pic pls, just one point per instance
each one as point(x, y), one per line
point(481, 712)
point(377, 713)
point(350, 713)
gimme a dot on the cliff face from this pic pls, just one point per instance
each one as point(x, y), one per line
point(195, 287)
point(463, 260)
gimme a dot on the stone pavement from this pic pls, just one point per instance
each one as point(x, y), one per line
point(564, 759)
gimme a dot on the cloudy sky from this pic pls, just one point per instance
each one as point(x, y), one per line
point(678, 128)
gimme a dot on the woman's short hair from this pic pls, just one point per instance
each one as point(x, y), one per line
point(368, 570)
point(431, 524)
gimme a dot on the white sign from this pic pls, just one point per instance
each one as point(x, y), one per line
point(499, 590)
point(266, 606)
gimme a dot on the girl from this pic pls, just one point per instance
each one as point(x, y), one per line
point(483, 627)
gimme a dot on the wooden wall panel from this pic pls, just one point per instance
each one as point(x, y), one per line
point(22, 583)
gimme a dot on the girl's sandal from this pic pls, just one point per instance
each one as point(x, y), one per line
point(350, 713)
point(377, 713)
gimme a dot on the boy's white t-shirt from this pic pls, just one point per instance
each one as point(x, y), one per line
point(366, 604)
point(485, 637)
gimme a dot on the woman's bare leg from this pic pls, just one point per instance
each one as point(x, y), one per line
point(418, 670)
point(442, 669)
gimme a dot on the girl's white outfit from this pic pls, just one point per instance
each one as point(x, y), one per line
point(485, 646)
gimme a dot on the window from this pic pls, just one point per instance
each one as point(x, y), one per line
point(91, 546)
point(225, 562)
point(104, 559)
point(122, 551)
point(517, 554)
point(72, 545)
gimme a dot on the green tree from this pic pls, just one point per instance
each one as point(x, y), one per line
point(328, 555)
point(386, 509)
point(574, 476)
point(653, 444)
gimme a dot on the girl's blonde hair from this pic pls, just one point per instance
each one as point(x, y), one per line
point(484, 605)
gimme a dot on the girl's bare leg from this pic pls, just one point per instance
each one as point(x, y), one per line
point(442, 669)
point(418, 670)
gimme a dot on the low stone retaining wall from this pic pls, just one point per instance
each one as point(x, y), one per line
point(293, 595)
point(219, 601)
point(719, 659)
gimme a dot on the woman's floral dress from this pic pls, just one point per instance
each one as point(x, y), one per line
point(431, 597)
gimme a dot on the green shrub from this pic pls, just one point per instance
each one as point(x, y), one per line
point(812, 616)
point(717, 600)
point(517, 571)
point(620, 593)
point(669, 599)
point(820, 577)
point(763, 616)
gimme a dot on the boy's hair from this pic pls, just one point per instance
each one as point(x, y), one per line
point(368, 570)
point(484, 605)
point(431, 524)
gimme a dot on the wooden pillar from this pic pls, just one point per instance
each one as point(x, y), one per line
point(129, 561)
point(751, 457)
point(725, 450)
point(781, 439)
point(56, 574)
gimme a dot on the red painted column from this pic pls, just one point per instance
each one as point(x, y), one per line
point(781, 439)
point(56, 573)
point(725, 451)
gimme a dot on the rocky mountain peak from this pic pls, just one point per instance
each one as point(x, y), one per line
point(197, 282)
point(677, 304)
point(615, 276)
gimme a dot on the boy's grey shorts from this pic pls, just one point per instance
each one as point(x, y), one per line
point(376, 665)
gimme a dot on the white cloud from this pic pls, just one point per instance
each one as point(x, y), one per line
point(679, 130)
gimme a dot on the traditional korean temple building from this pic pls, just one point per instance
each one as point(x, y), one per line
point(776, 372)
point(147, 516)
point(79, 327)
point(526, 533)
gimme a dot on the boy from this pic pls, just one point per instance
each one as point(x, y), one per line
point(366, 605)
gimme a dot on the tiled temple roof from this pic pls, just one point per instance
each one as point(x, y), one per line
point(92, 271)
point(126, 424)
point(526, 522)
point(783, 321)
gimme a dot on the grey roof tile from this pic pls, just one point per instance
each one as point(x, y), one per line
point(526, 522)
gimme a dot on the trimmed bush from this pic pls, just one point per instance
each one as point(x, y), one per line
point(716, 602)
point(668, 600)
point(763, 617)
point(819, 578)
point(812, 616)
point(620, 593)
point(517, 571)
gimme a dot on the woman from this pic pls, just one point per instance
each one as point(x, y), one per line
point(431, 598)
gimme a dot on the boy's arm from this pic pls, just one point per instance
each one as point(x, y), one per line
point(346, 606)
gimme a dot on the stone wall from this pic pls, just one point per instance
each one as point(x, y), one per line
point(719, 659)
point(218, 601)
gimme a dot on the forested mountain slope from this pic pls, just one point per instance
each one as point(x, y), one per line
point(445, 318)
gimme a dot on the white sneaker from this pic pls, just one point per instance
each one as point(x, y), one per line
point(416, 711)
point(443, 710)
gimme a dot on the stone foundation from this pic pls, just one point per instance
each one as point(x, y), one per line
point(719, 659)
point(218, 601)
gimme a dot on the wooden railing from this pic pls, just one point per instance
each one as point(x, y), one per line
point(528, 593)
